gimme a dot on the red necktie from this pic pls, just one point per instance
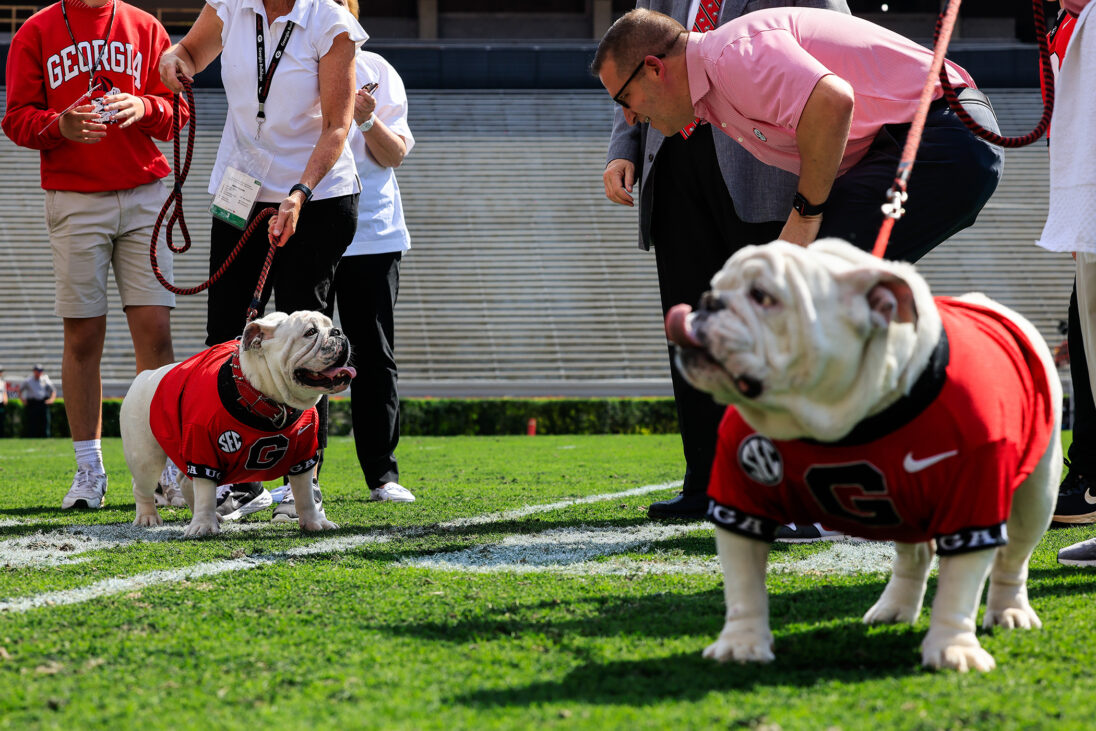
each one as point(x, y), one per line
point(707, 17)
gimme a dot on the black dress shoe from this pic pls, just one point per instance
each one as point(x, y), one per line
point(693, 506)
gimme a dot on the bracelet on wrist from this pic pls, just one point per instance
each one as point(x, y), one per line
point(305, 191)
point(368, 124)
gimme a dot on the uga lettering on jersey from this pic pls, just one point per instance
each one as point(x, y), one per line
point(742, 523)
point(972, 539)
point(73, 60)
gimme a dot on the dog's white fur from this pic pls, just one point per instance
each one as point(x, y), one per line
point(834, 335)
point(272, 350)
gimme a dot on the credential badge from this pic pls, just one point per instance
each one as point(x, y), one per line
point(230, 442)
point(760, 460)
point(760, 135)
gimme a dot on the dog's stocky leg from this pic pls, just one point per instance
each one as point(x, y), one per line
point(746, 636)
point(901, 600)
point(1032, 507)
point(950, 642)
point(205, 522)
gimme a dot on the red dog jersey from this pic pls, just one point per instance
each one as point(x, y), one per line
point(941, 463)
point(198, 420)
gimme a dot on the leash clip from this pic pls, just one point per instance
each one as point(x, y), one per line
point(894, 208)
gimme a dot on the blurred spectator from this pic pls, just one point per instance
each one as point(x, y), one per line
point(288, 73)
point(83, 90)
point(37, 393)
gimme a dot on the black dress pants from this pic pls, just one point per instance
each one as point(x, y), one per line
point(1082, 452)
point(366, 287)
point(694, 230)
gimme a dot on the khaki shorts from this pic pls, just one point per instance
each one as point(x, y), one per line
point(90, 232)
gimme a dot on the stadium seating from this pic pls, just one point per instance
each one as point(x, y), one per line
point(523, 279)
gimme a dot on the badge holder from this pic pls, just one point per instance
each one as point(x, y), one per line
point(243, 179)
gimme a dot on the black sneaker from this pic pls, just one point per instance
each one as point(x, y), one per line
point(1079, 554)
point(693, 506)
point(792, 533)
point(1076, 499)
point(243, 499)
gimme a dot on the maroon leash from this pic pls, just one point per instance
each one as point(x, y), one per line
point(175, 198)
point(1048, 84)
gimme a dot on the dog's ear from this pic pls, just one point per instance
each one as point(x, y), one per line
point(258, 330)
point(889, 297)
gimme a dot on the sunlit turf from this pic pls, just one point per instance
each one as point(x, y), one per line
point(355, 638)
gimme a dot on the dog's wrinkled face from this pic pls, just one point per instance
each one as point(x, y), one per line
point(295, 359)
point(806, 342)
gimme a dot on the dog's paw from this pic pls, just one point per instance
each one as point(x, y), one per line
point(1008, 607)
point(741, 647)
point(199, 528)
point(312, 526)
point(956, 652)
point(888, 612)
point(147, 519)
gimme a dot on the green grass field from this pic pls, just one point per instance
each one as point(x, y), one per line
point(524, 589)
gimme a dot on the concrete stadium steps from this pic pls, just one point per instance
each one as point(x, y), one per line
point(523, 278)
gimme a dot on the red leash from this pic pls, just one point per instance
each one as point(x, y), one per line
point(897, 195)
point(176, 198)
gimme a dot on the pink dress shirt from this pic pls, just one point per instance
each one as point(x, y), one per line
point(751, 77)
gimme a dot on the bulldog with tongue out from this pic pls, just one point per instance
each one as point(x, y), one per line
point(241, 411)
point(860, 401)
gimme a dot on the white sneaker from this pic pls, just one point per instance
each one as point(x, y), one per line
point(167, 490)
point(392, 492)
point(89, 489)
point(287, 506)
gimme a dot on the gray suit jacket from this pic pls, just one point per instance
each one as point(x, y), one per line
point(759, 192)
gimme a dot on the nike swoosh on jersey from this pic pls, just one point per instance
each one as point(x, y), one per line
point(916, 465)
point(1089, 497)
point(304, 428)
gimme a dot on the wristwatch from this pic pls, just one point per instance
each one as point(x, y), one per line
point(805, 208)
point(304, 189)
point(368, 124)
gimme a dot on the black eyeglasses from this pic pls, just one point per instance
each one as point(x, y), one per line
point(617, 98)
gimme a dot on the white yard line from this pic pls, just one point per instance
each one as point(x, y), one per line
point(580, 550)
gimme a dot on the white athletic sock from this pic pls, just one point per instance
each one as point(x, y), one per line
point(89, 454)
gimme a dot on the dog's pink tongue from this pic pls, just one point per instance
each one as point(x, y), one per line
point(677, 327)
point(339, 371)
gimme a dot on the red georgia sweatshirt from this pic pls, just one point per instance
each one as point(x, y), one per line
point(46, 73)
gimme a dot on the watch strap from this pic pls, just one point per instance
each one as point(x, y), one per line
point(805, 208)
point(304, 189)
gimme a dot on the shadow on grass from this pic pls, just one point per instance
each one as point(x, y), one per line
point(802, 660)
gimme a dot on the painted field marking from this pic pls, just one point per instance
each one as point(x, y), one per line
point(579, 550)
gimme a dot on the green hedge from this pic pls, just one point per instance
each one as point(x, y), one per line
point(448, 417)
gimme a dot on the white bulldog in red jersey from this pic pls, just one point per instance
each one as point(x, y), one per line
point(237, 412)
point(860, 401)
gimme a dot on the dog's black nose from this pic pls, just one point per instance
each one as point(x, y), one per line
point(710, 302)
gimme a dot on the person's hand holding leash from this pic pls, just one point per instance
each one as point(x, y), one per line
point(126, 107)
point(619, 177)
point(282, 225)
point(81, 124)
point(173, 69)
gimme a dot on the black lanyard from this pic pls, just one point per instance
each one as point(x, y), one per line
point(102, 51)
point(266, 74)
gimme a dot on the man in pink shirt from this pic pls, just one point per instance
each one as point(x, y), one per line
point(823, 95)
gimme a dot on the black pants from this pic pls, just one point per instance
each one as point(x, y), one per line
point(695, 229)
point(36, 418)
point(953, 176)
point(1082, 452)
point(366, 287)
point(301, 276)
point(3, 420)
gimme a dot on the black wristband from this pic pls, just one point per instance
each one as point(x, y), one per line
point(304, 189)
point(805, 208)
